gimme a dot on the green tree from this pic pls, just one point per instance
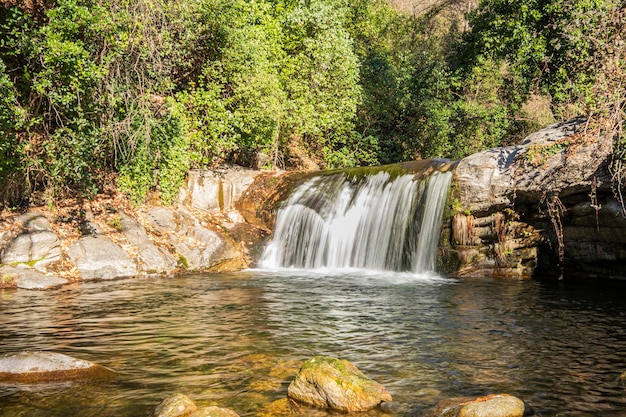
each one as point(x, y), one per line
point(321, 80)
point(551, 47)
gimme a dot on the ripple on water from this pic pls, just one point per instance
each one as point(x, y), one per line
point(237, 340)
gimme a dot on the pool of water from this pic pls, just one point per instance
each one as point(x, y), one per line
point(237, 340)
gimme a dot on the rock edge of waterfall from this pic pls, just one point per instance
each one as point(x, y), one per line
point(545, 206)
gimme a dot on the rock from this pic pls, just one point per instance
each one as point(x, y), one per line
point(528, 208)
point(154, 259)
point(36, 244)
point(178, 405)
point(97, 257)
point(198, 247)
point(336, 384)
point(214, 412)
point(500, 405)
point(31, 367)
point(162, 219)
point(499, 177)
point(218, 190)
point(29, 279)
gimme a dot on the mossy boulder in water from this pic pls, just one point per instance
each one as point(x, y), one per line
point(336, 384)
point(32, 367)
point(498, 405)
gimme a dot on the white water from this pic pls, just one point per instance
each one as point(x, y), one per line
point(380, 223)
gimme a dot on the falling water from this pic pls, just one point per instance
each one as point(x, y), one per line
point(381, 221)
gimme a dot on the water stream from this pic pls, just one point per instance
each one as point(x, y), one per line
point(236, 340)
point(379, 222)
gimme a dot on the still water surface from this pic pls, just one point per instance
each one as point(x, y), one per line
point(237, 340)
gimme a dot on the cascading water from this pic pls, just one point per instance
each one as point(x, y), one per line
point(381, 221)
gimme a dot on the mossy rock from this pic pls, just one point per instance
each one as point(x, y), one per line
point(336, 384)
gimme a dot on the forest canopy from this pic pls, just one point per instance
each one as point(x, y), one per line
point(137, 92)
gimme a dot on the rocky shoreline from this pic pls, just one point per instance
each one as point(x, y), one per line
point(108, 239)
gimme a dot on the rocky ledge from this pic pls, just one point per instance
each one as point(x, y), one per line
point(108, 239)
point(545, 206)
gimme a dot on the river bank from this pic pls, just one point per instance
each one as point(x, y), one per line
point(108, 238)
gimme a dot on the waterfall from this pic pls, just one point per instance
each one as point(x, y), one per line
point(383, 221)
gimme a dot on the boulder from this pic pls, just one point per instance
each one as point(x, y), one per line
point(336, 384)
point(36, 244)
point(29, 279)
point(154, 260)
point(179, 405)
point(198, 246)
point(36, 366)
point(500, 405)
point(97, 257)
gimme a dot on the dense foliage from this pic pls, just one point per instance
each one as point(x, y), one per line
point(140, 91)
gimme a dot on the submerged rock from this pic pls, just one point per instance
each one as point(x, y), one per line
point(29, 279)
point(179, 405)
point(32, 367)
point(336, 384)
point(498, 405)
point(214, 412)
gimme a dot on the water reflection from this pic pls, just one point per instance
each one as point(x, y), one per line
point(236, 340)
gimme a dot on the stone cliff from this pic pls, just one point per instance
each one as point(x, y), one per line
point(545, 206)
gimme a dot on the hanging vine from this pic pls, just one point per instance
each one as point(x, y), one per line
point(556, 209)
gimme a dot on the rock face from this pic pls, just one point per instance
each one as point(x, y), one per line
point(31, 367)
point(97, 257)
point(203, 232)
point(544, 206)
point(501, 405)
point(218, 190)
point(336, 384)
